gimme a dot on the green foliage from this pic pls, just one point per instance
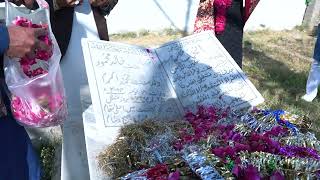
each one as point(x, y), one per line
point(47, 155)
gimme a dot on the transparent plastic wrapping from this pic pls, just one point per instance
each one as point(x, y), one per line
point(36, 86)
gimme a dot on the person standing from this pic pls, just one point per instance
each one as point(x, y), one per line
point(230, 29)
point(314, 74)
point(18, 160)
point(225, 19)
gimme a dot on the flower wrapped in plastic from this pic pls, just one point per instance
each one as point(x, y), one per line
point(35, 84)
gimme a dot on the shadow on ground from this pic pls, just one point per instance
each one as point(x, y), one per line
point(280, 85)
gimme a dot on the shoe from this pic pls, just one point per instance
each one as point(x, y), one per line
point(308, 98)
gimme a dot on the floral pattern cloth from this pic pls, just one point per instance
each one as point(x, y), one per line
point(211, 16)
point(250, 5)
point(205, 17)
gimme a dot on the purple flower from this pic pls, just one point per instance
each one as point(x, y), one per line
point(178, 146)
point(251, 173)
point(277, 176)
point(296, 151)
point(241, 147)
point(236, 170)
point(229, 151)
point(187, 138)
point(174, 175)
point(236, 137)
point(218, 152)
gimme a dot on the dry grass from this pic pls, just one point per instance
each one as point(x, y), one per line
point(147, 39)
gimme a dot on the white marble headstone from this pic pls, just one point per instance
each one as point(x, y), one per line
point(202, 72)
point(127, 85)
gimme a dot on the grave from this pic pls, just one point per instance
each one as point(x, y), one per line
point(131, 83)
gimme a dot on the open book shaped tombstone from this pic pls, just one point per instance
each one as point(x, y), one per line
point(131, 83)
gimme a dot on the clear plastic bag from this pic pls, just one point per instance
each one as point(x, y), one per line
point(35, 85)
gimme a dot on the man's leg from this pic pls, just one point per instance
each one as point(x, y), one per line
point(18, 161)
point(314, 75)
point(232, 37)
point(33, 163)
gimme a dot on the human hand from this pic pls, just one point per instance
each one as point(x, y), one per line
point(68, 3)
point(25, 42)
point(27, 3)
